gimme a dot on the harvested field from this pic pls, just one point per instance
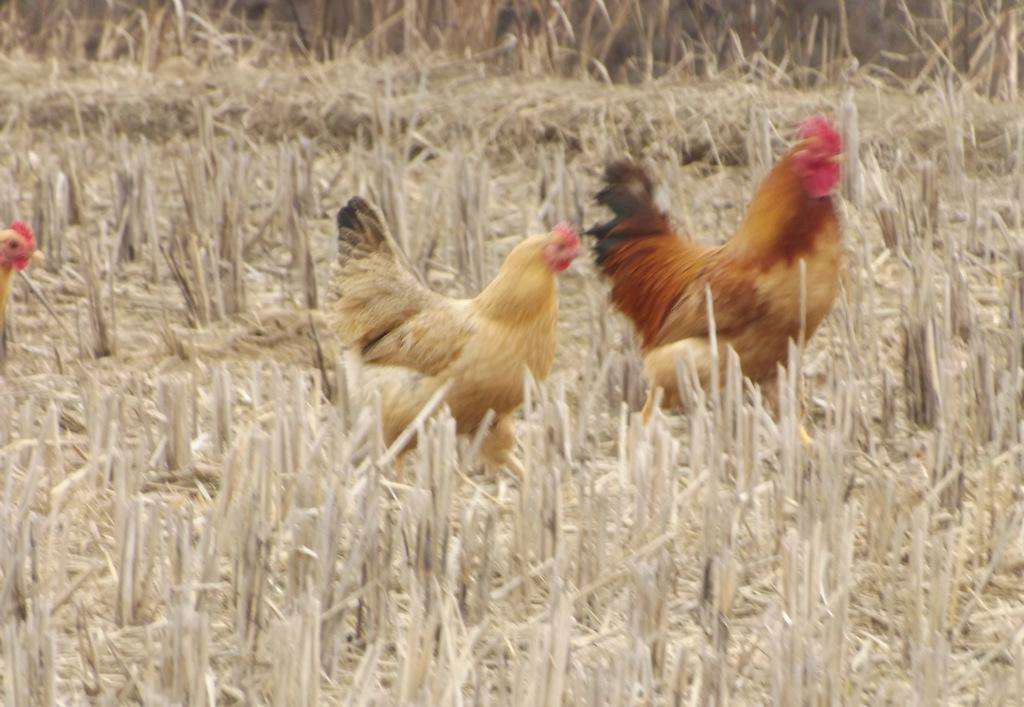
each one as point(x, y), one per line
point(196, 504)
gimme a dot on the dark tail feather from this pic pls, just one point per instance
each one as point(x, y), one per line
point(360, 227)
point(629, 193)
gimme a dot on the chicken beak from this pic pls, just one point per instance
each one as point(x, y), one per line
point(38, 258)
point(837, 159)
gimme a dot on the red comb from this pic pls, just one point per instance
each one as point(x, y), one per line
point(25, 231)
point(820, 127)
point(567, 232)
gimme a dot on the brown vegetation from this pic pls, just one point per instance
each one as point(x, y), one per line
point(805, 42)
point(197, 504)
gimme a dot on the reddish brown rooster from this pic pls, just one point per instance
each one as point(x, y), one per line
point(659, 279)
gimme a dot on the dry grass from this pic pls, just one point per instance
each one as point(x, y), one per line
point(196, 504)
point(800, 42)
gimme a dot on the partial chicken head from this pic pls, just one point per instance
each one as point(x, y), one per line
point(562, 247)
point(818, 156)
point(17, 245)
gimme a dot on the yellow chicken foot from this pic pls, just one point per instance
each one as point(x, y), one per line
point(512, 466)
point(516, 467)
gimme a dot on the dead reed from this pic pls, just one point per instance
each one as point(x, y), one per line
point(197, 506)
point(806, 44)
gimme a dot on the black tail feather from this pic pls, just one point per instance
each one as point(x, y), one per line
point(629, 193)
point(360, 226)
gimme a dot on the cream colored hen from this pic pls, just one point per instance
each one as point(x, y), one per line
point(481, 347)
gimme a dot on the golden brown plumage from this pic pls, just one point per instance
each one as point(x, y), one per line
point(659, 279)
point(482, 346)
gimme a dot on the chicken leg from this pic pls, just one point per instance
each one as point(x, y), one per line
point(670, 398)
point(773, 402)
point(497, 448)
